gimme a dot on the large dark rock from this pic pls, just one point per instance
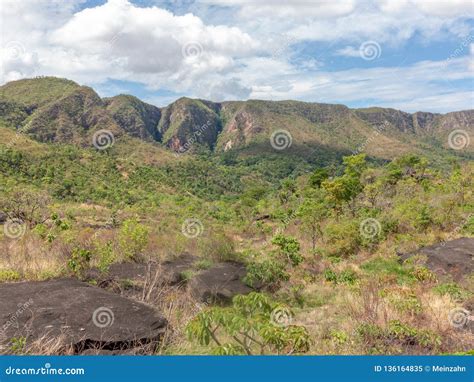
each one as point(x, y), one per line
point(129, 276)
point(85, 316)
point(169, 272)
point(454, 258)
point(219, 283)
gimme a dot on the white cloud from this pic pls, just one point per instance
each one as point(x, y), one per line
point(411, 88)
point(348, 51)
point(252, 55)
point(289, 9)
point(122, 41)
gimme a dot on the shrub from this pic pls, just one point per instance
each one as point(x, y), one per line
point(406, 302)
point(217, 247)
point(133, 238)
point(289, 248)
point(79, 261)
point(269, 273)
point(252, 325)
point(342, 238)
point(105, 255)
point(7, 275)
point(347, 276)
point(453, 290)
point(423, 274)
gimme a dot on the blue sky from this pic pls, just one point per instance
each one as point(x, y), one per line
point(407, 54)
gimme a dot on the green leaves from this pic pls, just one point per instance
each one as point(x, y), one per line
point(289, 248)
point(267, 272)
point(133, 238)
point(247, 327)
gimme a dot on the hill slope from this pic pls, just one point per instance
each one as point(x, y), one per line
point(59, 110)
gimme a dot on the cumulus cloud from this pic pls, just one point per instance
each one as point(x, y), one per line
point(123, 41)
point(289, 9)
point(236, 49)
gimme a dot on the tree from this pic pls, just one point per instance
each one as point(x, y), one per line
point(318, 176)
point(289, 248)
point(346, 187)
point(252, 325)
point(29, 206)
point(313, 209)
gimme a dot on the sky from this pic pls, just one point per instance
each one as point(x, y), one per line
point(407, 54)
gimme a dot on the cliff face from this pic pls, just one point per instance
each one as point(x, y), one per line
point(58, 110)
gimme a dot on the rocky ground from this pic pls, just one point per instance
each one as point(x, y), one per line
point(105, 313)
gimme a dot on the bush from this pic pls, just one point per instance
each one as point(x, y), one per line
point(7, 275)
point(252, 325)
point(105, 255)
point(342, 238)
point(269, 273)
point(289, 248)
point(453, 290)
point(133, 238)
point(79, 261)
point(347, 276)
point(406, 302)
point(217, 247)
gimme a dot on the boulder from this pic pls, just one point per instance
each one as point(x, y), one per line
point(454, 257)
point(83, 315)
point(220, 283)
point(169, 272)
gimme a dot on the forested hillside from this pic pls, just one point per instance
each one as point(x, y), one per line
point(319, 211)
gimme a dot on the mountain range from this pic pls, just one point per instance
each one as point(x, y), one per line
point(56, 110)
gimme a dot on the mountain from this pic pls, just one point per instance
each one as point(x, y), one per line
point(58, 110)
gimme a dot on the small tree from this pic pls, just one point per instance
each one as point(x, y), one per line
point(289, 248)
point(346, 187)
point(312, 211)
point(28, 206)
point(133, 238)
point(252, 325)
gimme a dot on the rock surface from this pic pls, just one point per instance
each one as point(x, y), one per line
point(169, 272)
point(84, 316)
point(454, 258)
point(219, 283)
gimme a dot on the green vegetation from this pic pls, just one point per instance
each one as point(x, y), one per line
point(251, 326)
point(318, 230)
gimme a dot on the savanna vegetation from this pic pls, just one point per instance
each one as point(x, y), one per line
point(319, 240)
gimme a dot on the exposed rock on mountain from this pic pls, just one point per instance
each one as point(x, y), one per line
point(58, 110)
